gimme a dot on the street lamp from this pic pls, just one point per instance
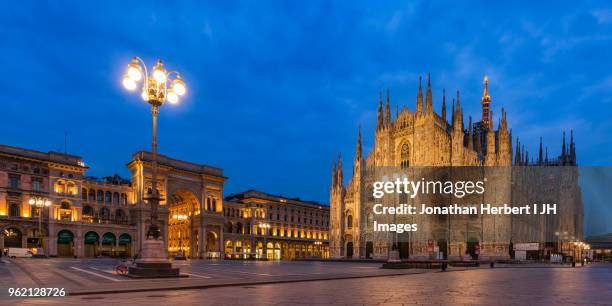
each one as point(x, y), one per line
point(40, 203)
point(180, 219)
point(265, 227)
point(157, 88)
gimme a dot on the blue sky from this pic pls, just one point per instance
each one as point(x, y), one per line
point(277, 89)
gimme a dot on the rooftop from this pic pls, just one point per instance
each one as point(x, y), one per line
point(251, 193)
point(50, 156)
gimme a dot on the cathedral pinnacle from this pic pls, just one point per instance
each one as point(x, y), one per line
point(428, 98)
point(380, 112)
point(358, 150)
point(419, 107)
point(444, 105)
point(486, 102)
point(388, 111)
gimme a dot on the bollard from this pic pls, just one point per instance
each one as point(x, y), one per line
point(573, 264)
point(492, 264)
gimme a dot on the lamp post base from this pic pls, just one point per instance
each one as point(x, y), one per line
point(153, 262)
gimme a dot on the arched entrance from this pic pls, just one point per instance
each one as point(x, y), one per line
point(65, 243)
point(349, 249)
point(472, 248)
point(13, 238)
point(229, 249)
point(125, 246)
point(181, 209)
point(92, 243)
point(211, 244)
point(107, 247)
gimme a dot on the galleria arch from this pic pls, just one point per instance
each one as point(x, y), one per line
point(187, 189)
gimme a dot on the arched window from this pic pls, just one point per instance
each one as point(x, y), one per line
point(214, 204)
point(349, 221)
point(116, 198)
point(108, 196)
point(71, 188)
point(84, 194)
point(104, 213)
point(207, 208)
point(92, 195)
point(405, 156)
point(124, 199)
point(100, 196)
point(119, 214)
point(60, 187)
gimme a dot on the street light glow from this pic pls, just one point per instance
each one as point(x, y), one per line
point(178, 86)
point(134, 72)
point(172, 97)
point(129, 83)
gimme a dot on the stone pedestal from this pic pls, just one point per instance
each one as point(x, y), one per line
point(394, 256)
point(153, 262)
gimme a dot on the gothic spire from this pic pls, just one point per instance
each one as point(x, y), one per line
point(486, 102)
point(444, 105)
point(517, 157)
point(334, 175)
point(470, 134)
point(380, 112)
point(358, 149)
point(388, 111)
point(419, 107)
point(428, 98)
point(540, 157)
point(340, 179)
point(563, 150)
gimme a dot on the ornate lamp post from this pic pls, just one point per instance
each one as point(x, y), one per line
point(40, 203)
point(180, 219)
point(157, 88)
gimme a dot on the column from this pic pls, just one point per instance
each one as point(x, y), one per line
point(202, 241)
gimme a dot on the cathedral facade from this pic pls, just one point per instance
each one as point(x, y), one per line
point(415, 142)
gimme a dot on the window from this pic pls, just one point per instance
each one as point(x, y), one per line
point(124, 199)
point(84, 194)
point(14, 181)
point(92, 195)
point(405, 156)
point(108, 197)
point(370, 219)
point(104, 213)
point(100, 196)
point(37, 184)
point(349, 221)
point(87, 210)
point(116, 198)
point(14, 210)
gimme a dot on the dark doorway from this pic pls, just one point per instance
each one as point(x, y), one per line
point(472, 246)
point(349, 250)
point(369, 249)
point(443, 247)
point(403, 243)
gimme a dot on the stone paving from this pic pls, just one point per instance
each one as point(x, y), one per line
point(590, 285)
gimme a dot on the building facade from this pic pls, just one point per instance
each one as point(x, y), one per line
point(91, 217)
point(261, 225)
point(87, 216)
point(423, 140)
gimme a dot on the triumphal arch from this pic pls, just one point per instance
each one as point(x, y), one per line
point(191, 210)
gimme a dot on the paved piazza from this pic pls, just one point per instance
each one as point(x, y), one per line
point(289, 283)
